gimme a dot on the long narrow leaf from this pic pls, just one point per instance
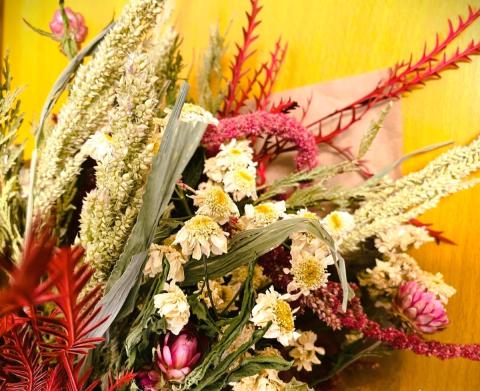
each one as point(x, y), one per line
point(251, 244)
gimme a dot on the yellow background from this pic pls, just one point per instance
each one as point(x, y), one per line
point(329, 39)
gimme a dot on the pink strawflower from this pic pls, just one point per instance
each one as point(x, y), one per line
point(76, 25)
point(262, 124)
point(421, 308)
point(176, 356)
point(149, 380)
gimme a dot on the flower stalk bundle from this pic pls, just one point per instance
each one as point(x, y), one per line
point(150, 253)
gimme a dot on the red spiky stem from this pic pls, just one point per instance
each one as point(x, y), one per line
point(244, 52)
point(404, 77)
point(435, 234)
point(271, 70)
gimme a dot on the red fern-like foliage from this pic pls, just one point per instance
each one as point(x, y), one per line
point(404, 77)
point(43, 348)
point(244, 52)
point(258, 86)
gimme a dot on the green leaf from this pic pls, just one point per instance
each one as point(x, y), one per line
point(372, 132)
point(248, 245)
point(319, 174)
point(254, 365)
point(179, 142)
point(210, 363)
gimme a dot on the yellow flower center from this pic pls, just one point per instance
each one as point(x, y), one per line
point(283, 316)
point(244, 175)
point(201, 225)
point(309, 215)
point(309, 273)
point(336, 221)
point(217, 197)
point(235, 151)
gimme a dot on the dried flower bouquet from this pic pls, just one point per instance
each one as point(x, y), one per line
point(143, 248)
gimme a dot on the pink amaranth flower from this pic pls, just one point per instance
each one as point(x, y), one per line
point(263, 124)
point(421, 308)
point(76, 25)
point(177, 355)
point(326, 303)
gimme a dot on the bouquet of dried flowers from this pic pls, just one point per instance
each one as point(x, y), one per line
point(143, 247)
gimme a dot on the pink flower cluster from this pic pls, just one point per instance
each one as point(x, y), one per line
point(76, 25)
point(263, 124)
point(326, 303)
point(421, 308)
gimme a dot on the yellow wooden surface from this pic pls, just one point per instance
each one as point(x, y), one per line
point(330, 39)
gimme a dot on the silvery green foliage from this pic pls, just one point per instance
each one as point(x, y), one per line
point(410, 196)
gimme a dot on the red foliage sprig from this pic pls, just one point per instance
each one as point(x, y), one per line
point(435, 234)
point(405, 77)
point(259, 85)
point(237, 67)
point(39, 343)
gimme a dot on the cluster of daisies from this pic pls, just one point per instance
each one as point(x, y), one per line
point(226, 203)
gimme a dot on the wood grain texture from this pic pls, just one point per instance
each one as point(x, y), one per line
point(330, 39)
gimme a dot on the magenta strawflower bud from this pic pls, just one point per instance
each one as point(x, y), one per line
point(421, 308)
point(76, 24)
point(177, 355)
point(149, 380)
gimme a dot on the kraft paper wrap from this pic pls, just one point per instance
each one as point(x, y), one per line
point(325, 98)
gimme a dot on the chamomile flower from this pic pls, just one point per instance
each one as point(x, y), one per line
point(235, 154)
point(309, 273)
point(194, 113)
point(213, 170)
point(154, 265)
point(273, 307)
point(201, 235)
point(263, 214)
point(99, 146)
point(241, 183)
point(338, 223)
point(173, 306)
point(304, 352)
point(305, 241)
point(215, 203)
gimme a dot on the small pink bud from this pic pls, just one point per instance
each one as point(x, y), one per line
point(76, 24)
point(176, 356)
point(420, 308)
point(148, 380)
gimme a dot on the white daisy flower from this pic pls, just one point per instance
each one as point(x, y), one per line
point(235, 154)
point(241, 182)
point(201, 235)
point(215, 203)
point(304, 352)
point(305, 241)
point(309, 273)
point(338, 223)
point(266, 380)
point(99, 146)
point(194, 113)
point(273, 307)
point(213, 170)
point(264, 214)
point(154, 265)
point(173, 306)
